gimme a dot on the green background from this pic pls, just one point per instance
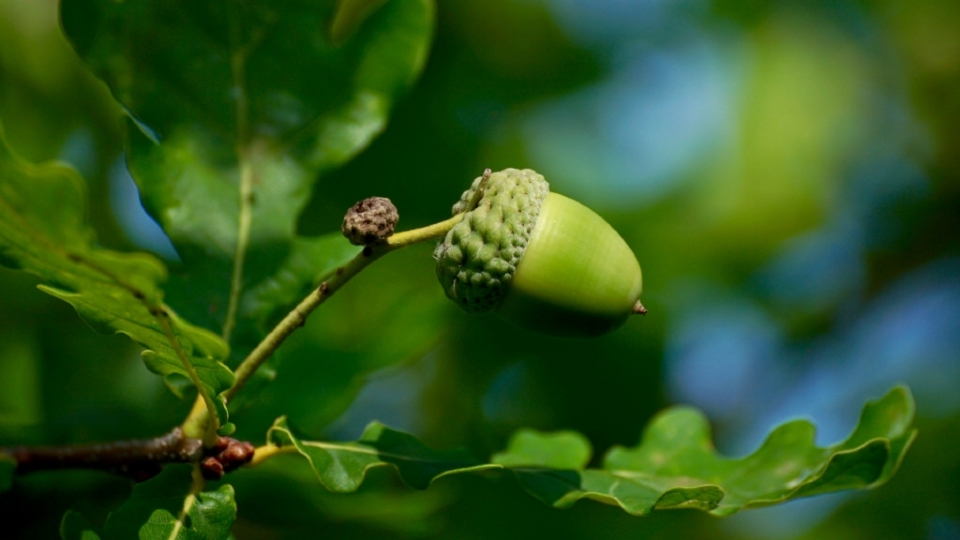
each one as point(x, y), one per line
point(788, 174)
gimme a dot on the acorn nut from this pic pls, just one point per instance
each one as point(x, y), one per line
point(537, 259)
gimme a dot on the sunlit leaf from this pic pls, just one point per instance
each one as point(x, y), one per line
point(76, 527)
point(44, 231)
point(237, 108)
point(675, 465)
point(173, 506)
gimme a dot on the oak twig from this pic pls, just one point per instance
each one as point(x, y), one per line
point(139, 459)
point(330, 284)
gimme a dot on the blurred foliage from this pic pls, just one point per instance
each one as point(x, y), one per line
point(787, 172)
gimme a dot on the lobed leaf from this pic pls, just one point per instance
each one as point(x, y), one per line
point(173, 505)
point(341, 467)
point(236, 108)
point(44, 231)
point(674, 466)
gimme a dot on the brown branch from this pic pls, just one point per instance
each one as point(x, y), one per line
point(139, 459)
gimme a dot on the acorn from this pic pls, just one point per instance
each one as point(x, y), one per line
point(537, 259)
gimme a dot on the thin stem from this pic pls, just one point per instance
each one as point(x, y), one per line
point(212, 425)
point(478, 194)
point(263, 453)
point(329, 284)
point(243, 240)
point(247, 173)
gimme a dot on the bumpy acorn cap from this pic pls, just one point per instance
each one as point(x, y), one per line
point(479, 256)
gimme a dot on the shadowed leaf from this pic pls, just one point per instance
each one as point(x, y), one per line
point(7, 466)
point(76, 527)
point(341, 467)
point(173, 506)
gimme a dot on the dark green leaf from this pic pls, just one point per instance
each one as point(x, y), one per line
point(262, 305)
point(308, 261)
point(237, 108)
point(173, 506)
point(76, 527)
point(675, 466)
point(44, 231)
point(7, 466)
point(341, 467)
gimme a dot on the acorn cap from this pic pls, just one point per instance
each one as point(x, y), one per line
point(479, 256)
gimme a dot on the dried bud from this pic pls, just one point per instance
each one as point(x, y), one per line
point(370, 221)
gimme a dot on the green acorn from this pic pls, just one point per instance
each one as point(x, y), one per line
point(537, 259)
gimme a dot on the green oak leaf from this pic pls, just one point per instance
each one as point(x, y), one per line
point(674, 466)
point(236, 109)
point(7, 466)
point(341, 467)
point(44, 231)
point(173, 505)
point(76, 527)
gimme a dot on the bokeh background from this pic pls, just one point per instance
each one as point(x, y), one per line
point(788, 173)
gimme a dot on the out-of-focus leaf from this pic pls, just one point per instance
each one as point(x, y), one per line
point(76, 527)
point(560, 450)
point(675, 465)
point(236, 109)
point(308, 261)
point(173, 506)
point(7, 466)
point(349, 16)
point(44, 231)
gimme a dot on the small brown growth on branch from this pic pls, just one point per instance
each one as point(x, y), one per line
point(638, 309)
point(370, 221)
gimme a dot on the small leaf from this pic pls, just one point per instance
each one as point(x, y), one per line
point(172, 505)
point(76, 527)
point(44, 231)
point(675, 466)
point(7, 466)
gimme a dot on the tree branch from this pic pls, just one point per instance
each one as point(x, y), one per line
point(139, 459)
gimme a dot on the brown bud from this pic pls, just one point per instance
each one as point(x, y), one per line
point(211, 468)
point(370, 221)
